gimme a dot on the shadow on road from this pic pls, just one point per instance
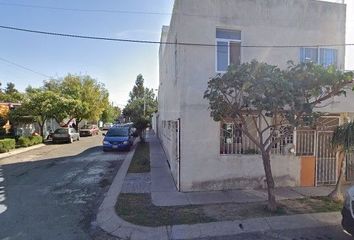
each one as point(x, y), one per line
point(53, 198)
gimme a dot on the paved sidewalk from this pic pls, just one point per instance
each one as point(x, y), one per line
point(161, 183)
point(20, 150)
point(165, 193)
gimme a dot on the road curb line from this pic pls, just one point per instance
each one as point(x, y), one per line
point(20, 150)
point(109, 221)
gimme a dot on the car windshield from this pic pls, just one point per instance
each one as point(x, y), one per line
point(118, 132)
point(61, 130)
point(86, 127)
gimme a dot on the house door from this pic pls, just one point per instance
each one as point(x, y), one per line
point(326, 161)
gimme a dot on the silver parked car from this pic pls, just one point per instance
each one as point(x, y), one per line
point(65, 135)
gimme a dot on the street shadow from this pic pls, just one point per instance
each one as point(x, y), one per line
point(47, 197)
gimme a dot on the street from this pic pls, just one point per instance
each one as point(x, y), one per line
point(53, 192)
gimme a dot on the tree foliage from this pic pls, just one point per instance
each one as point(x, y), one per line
point(10, 94)
point(38, 106)
point(141, 105)
point(258, 92)
point(110, 114)
point(83, 97)
point(73, 97)
point(343, 141)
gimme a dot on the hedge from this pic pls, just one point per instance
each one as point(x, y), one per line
point(6, 145)
point(29, 141)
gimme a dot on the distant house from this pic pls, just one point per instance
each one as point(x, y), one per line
point(24, 128)
point(5, 108)
point(208, 155)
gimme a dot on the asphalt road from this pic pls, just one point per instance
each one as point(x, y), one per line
point(53, 192)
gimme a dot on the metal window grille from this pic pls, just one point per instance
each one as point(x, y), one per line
point(233, 141)
point(286, 135)
point(305, 142)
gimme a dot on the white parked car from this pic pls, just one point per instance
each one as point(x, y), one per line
point(65, 135)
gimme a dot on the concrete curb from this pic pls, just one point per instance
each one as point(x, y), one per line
point(110, 222)
point(20, 150)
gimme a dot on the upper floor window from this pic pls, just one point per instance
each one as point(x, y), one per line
point(228, 49)
point(328, 57)
point(323, 56)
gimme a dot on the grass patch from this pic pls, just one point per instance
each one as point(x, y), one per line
point(141, 159)
point(310, 205)
point(138, 209)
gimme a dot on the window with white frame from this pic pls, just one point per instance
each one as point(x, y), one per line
point(324, 56)
point(228, 49)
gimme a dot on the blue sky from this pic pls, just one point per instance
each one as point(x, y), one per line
point(114, 64)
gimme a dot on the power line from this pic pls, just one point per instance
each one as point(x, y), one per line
point(82, 10)
point(23, 67)
point(90, 37)
point(110, 11)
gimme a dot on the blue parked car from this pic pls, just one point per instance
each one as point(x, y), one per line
point(118, 138)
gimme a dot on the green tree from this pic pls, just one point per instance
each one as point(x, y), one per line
point(110, 114)
point(257, 92)
point(37, 106)
point(141, 105)
point(86, 98)
point(10, 94)
point(343, 141)
point(138, 89)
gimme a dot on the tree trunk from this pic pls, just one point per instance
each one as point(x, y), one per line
point(41, 126)
point(77, 124)
point(337, 194)
point(272, 205)
point(142, 135)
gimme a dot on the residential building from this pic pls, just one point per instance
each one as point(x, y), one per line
point(208, 155)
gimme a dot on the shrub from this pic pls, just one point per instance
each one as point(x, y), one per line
point(24, 142)
point(7, 144)
point(29, 141)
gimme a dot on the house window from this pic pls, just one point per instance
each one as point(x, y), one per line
point(323, 56)
point(286, 134)
point(328, 57)
point(231, 134)
point(228, 49)
point(309, 55)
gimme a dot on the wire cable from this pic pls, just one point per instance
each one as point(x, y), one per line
point(159, 42)
point(83, 10)
point(23, 67)
point(108, 11)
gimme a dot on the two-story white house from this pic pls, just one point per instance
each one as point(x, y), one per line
point(211, 35)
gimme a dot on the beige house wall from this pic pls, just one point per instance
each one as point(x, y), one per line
point(185, 71)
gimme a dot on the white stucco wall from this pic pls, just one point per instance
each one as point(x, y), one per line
point(184, 77)
point(245, 171)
